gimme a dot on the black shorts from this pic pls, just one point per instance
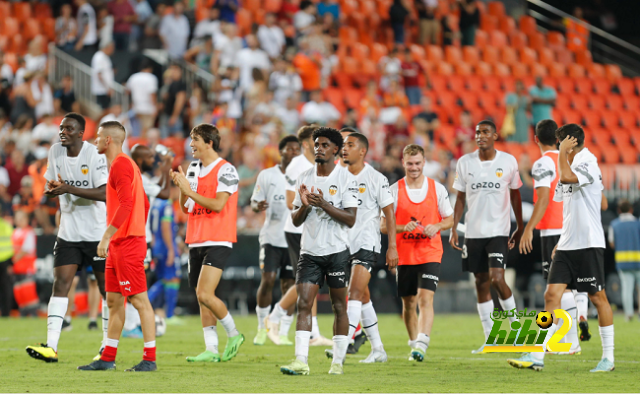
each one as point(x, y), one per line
point(480, 254)
point(293, 240)
point(213, 256)
point(365, 258)
point(84, 254)
point(582, 269)
point(315, 269)
point(547, 243)
point(410, 278)
point(273, 259)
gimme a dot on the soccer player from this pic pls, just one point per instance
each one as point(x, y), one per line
point(282, 314)
point(326, 202)
point(123, 245)
point(421, 210)
point(269, 195)
point(77, 175)
point(209, 195)
point(491, 180)
point(547, 215)
point(578, 258)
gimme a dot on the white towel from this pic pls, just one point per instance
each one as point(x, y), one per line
point(193, 173)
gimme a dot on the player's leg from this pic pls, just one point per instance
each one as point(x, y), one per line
point(268, 264)
point(94, 300)
point(361, 266)
point(497, 250)
point(287, 319)
point(627, 285)
point(98, 265)
point(337, 265)
point(605, 322)
point(286, 305)
point(475, 260)
point(369, 321)
point(428, 276)
point(66, 323)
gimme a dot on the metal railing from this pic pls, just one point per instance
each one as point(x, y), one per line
point(190, 72)
point(621, 181)
point(605, 47)
point(62, 64)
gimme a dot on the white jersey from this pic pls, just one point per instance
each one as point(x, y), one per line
point(418, 195)
point(544, 173)
point(152, 190)
point(271, 186)
point(81, 220)
point(298, 165)
point(373, 195)
point(322, 235)
point(581, 205)
point(487, 185)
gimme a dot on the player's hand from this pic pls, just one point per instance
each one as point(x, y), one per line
point(167, 161)
point(304, 194)
point(515, 239)
point(453, 239)
point(103, 248)
point(392, 258)
point(316, 199)
point(59, 188)
point(568, 144)
point(170, 258)
point(409, 227)
point(180, 180)
point(263, 205)
point(526, 242)
point(431, 230)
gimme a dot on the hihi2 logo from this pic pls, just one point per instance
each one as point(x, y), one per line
point(501, 342)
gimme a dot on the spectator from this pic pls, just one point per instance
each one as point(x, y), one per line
point(23, 101)
point(519, 104)
point(87, 26)
point(267, 107)
point(250, 58)
point(151, 39)
point(17, 169)
point(426, 114)
point(24, 200)
point(543, 99)
point(105, 26)
point(624, 238)
point(174, 31)
point(248, 174)
point(371, 99)
point(397, 16)
point(448, 34)
point(576, 31)
point(124, 16)
point(289, 115)
point(201, 54)
point(6, 253)
point(447, 169)
point(395, 97)
point(45, 131)
point(35, 59)
point(319, 111)
point(284, 81)
point(47, 208)
point(65, 98)
point(350, 119)
point(429, 26)
point(66, 28)
point(271, 37)
point(24, 258)
point(227, 91)
point(410, 73)
point(329, 7)
point(226, 48)
point(21, 134)
point(6, 72)
point(209, 27)
point(288, 11)
point(399, 130)
point(524, 168)
point(469, 21)
point(228, 9)
point(143, 87)
point(432, 168)
point(464, 132)
point(309, 66)
point(222, 120)
point(41, 91)
point(391, 169)
point(102, 74)
point(20, 72)
point(303, 19)
point(175, 101)
point(143, 14)
point(375, 132)
point(390, 67)
point(198, 105)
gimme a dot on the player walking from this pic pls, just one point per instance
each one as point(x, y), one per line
point(77, 175)
point(491, 180)
point(547, 215)
point(209, 194)
point(124, 246)
point(269, 195)
point(421, 210)
point(578, 258)
point(326, 202)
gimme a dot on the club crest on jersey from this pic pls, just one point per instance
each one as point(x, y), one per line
point(333, 189)
point(84, 169)
point(362, 188)
point(499, 172)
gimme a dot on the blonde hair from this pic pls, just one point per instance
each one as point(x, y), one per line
point(412, 150)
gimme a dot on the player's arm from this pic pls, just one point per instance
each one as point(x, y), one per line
point(290, 196)
point(567, 176)
point(433, 229)
point(346, 216)
point(123, 180)
point(259, 196)
point(167, 236)
point(165, 177)
point(392, 250)
point(215, 204)
point(516, 204)
point(458, 210)
point(539, 209)
point(59, 188)
point(605, 203)
point(399, 228)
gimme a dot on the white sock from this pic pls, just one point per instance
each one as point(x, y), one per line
point(354, 311)
point(539, 356)
point(340, 345)
point(277, 314)
point(606, 334)
point(131, 317)
point(211, 338)
point(262, 314)
point(105, 322)
point(112, 343)
point(67, 319)
point(582, 302)
point(315, 330)
point(370, 325)
point(507, 305)
point(302, 345)
point(285, 325)
point(56, 311)
point(423, 342)
point(412, 343)
point(485, 309)
point(568, 303)
point(229, 325)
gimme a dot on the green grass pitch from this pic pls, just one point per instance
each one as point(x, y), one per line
point(448, 367)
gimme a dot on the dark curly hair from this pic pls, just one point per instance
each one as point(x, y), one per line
point(331, 134)
point(286, 140)
point(572, 130)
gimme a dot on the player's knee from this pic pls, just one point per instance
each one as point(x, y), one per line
point(426, 301)
point(599, 298)
point(339, 307)
point(204, 297)
point(304, 304)
point(496, 281)
point(552, 296)
point(482, 280)
point(356, 294)
point(61, 287)
point(409, 304)
point(268, 281)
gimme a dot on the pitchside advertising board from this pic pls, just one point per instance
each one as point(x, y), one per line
point(523, 336)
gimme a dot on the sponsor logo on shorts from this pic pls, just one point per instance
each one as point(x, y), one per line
point(124, 283)
point(495, 255)
point(128, 289)
point(340, 273)
point(288, 267)
point(582, 280)
point(96, 258)
point(429, 276)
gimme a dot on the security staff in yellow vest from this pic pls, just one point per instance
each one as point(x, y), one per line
point(6, 253)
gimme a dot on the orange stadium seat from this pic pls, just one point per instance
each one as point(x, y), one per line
point(473, 83)
point(557, 70)
point(490, 55)
point(456, 83)
point(42, 11)
point(601, 86)
point(434, 54)
point(609, 119)
point(31, 28)
point(482, 69)
point(538, 70)
point(438, 83)
point(579, 103)
point(447, 99)
point(353, 97)
point(571, 116)
point(626, 86)
point(591, 119)
point(488, 23)
point(506, 24)
point(10, 27)
point(508, 55)
point(614, 102)
point(555, 40)
point(536, 40)
point(609, 154)
point(546, 56)
point(17, 44)
point(378, 51)
point(347, 35)
point(533, 151)
point(443, 68)
point(495, 8)
point(12, 60)
point(527, 55)
point(632, 103)
point(565, 85)
point(481, 39)
point(527, 25)
point(273, 5)
point(22, 10)
point(613, 72)
point(563, 102)
point(583, 85)
point(576, 71)
point(564, 56)
point(470, 54)
point(519, 70)
point(501, 70)
point(360, 51)
point(497, 39)
point(5, 9)
point(628, 119)
point(595, 70)
point(517, 39)
point(583, 57)
point(417, 52)
point(596, 102)
point(349, 65)
point(462, 68)
point(492, 84)
point(628, 155)
point(244, 21)
point(452, 54)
